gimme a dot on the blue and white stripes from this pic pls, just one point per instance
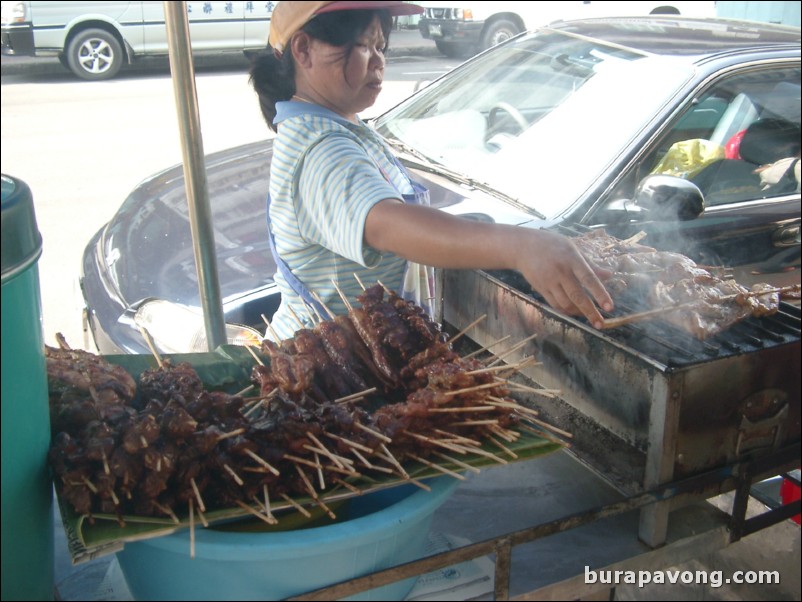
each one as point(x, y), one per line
point(326, 175)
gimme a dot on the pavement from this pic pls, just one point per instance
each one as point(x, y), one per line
point(403, 43)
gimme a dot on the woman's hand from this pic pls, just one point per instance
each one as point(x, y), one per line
point(556, 269)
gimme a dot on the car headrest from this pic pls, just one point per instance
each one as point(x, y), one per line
point(769, 140)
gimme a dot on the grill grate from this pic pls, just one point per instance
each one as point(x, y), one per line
point(676, 348)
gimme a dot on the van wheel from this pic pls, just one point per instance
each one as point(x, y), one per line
point(95, 54)
point(497, 32)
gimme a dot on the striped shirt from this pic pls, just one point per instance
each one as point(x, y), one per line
point(326, 175)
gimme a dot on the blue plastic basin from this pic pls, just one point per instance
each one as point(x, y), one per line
point(383, 529)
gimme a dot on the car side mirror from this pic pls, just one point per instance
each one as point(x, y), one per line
point(669, 198)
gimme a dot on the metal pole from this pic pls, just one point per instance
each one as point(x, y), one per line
point(200, 215)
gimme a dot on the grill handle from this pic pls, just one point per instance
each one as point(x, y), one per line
point(757, 433)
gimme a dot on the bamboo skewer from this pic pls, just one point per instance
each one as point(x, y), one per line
point(458, 438)
point(332, 456)
point(314, 317)
point(325, 508)
point(359, 282)
point(234, 475)
point(249, 509)
point(438, 442)
point(196, 491)
point(503, 447)
point(388, 456)
point(393, 460)
point(502, 403)
point(550, 393)
point(252, 410)
point(191, 528)
point(475, 422)
point(376, 434)
point(513, 349)
point(296, 505)
point(296, 317)
point(202, 518)
point(243, 391)
point(263, 462)
point(651, 313)
point(489, 408)
point(317, 298)
point(471, 389)
point(299, 460)
point(479, 451)
point(346, 302)
point(457, 462)
point(253, 353)
point(487, 347)
point(349, 443)
point(347, 485)
point(369, 464)
point(307, 483)
point(466, 329)
point(338, 460)
point(503, 433)
point(151, 345)
point(544, 434)
point(549, 427)
point(313, 494)
point(268, 512)
point(89, 484)
point(230, 434)
point(168, 511)
point(355, 396)
point(493, 369)
point(270, 329)
point(437, 467)
point(320, 480)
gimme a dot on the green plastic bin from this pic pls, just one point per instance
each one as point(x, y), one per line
point(27, 494)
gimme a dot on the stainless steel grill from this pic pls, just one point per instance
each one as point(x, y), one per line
point(647, 403)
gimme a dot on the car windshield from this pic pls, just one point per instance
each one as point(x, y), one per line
point(537, 119)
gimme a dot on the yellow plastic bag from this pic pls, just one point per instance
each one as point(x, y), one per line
point(687, 157)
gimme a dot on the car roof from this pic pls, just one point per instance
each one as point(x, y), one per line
point(683, 36)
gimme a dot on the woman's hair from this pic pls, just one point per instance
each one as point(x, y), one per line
point(273, 76)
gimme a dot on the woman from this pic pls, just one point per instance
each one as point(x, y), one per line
point(342, 207)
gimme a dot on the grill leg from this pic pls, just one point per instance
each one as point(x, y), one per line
point(653, 526)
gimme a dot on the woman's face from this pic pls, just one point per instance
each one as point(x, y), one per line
point(348, 83)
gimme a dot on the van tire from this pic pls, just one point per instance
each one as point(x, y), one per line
point(498, 31)
point(95, 54)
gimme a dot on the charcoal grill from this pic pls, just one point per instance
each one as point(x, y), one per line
point(647, 403)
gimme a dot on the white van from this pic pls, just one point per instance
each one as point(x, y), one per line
point(460, 28)
point(95, 39)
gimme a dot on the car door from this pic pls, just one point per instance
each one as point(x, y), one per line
point(752, 199)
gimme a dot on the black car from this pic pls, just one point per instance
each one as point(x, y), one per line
point(559, 128)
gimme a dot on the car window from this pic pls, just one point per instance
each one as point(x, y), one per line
point(540, 118)
point(738, 140)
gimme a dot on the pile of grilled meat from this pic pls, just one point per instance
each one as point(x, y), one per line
point(696, 299)
point(358, 395)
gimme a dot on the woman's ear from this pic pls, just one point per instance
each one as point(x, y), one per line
point(300, 44)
